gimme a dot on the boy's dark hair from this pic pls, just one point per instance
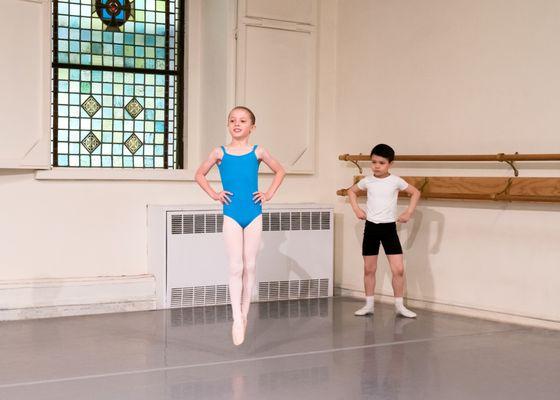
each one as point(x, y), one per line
point(383, 150)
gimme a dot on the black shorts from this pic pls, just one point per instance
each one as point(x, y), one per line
point(384, 233)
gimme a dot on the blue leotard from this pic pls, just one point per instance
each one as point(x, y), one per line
point(240, 176)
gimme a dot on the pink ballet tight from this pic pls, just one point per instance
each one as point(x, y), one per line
point(242, 246)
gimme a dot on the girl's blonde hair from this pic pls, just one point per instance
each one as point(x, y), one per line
point(251, 114)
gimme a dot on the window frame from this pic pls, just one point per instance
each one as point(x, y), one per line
point(179, 106)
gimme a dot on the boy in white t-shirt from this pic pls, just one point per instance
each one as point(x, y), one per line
point(381, 217)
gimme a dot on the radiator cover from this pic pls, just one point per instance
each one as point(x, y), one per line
point(295, 260)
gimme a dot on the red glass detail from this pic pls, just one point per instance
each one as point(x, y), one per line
point(113, 6)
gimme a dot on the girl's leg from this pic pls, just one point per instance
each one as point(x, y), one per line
point(370, 266)
point(397, 270)
point(233, 237)
point(251, 243)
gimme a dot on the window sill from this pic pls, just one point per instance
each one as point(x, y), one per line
point(113, 174)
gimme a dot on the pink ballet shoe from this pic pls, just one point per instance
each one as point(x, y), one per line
point(238, 332)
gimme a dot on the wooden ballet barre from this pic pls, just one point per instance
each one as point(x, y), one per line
point(501, 157)
point(509, 159)
point(484, 188)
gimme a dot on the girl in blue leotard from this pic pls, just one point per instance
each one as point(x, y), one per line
point(238, 163)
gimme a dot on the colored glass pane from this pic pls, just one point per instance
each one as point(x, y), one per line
point(116, 84)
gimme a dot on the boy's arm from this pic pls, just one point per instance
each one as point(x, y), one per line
point(353, 197)
point(414, 197)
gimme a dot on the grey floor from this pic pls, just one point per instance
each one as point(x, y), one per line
point(306, 349)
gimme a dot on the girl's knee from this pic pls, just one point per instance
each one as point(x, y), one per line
point(236, 268)
point(250, 267)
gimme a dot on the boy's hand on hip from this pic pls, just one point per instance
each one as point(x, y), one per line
point(404, 217)
point(360, 214)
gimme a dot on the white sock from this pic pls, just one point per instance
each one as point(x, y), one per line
point(402, 310)
point(367, 309)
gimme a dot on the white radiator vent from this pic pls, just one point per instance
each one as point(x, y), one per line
point(304, 308)
point(293, 289)
point(188, 223)
point(185, 224)
point(197, 296)
point(296, 221)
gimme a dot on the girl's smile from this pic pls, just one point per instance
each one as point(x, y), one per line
point(240, 124)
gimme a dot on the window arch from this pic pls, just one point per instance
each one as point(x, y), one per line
point(117, 83)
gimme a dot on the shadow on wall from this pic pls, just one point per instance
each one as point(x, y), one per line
point(423, 238)
point(338, 248)
point(277, 250)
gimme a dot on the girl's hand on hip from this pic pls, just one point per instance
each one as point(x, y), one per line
point(260, 197)
point(223, 197)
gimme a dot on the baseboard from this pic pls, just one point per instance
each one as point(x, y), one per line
point(45, 298)
point(456, 309)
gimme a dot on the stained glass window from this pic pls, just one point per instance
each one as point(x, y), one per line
point(117, 83)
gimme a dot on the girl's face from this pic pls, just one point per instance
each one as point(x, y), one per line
point(240, 125)
point(380, 166)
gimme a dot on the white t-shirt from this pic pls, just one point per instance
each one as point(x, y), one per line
point(382, 196)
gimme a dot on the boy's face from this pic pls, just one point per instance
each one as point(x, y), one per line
point(380, 166)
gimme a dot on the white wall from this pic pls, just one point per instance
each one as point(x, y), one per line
point(456, 77)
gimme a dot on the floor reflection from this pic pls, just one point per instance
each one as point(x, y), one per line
point(286, 309)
